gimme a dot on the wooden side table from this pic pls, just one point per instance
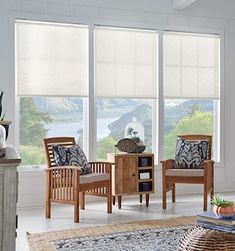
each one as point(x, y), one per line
point(199, 238)
point(133, 174)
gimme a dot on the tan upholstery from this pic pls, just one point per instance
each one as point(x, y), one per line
point(93, 177)
point(185, 172)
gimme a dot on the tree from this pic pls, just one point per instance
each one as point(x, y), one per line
point(104, 146)
point(195, 107)
point(32, 122)
point(196, 123)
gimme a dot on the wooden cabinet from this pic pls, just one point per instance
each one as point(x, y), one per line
point(8, 199)
point(133, 174)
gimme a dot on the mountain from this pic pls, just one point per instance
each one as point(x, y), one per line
point(105, 107)
point(174, 113)
point(143, 113)
point(71, 108)
point(58, 104)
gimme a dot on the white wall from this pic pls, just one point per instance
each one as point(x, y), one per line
point(204, 15)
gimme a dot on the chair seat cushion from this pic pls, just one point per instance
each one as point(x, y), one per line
point(185, 172)
point(71, 156)
point(191, 154)
point(93, 177)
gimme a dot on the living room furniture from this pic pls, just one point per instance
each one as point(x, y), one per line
point(8, 198)
point(199, 238)
point(64, 184)
point(172, 175)
point(133, 174)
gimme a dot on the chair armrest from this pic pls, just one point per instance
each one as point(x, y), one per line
point(101, 167)
point(63, 168)
point(208, 166)
point(208, 162)
point(167, 164)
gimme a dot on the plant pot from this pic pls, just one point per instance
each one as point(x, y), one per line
point(6, 124)
point(139, 149)
point(224, 211)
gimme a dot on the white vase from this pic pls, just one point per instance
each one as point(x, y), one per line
point(2, 140)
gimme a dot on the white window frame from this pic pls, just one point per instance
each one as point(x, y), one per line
point(218, 106)
point(155, 102)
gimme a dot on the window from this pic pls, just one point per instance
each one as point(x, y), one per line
point(191, 87)
point(53, 79)
point(52, 84)
point(125, 84)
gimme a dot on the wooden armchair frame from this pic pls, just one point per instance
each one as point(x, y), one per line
point(63, 182)
point(168, 182)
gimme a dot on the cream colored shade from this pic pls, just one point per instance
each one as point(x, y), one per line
point(126, 63)
point(191, 65)
point(51, 59)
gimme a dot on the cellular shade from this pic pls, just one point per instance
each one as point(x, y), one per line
point(126, 63)
point(191, 65)
point(51, 59)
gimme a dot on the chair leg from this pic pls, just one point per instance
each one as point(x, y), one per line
point(82, 201)
point(141, 197)
point(76, 208)
point(119, 202)
point(163, 194)
point(147, 199)
point(173, 193)
point(205, 198)
point(109, 200)
point(48, 195)
point(48, 208)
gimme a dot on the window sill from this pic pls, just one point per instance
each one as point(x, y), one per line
point(29, 168)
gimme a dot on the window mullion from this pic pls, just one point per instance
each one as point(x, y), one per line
point(160, 98)
point(91, 100)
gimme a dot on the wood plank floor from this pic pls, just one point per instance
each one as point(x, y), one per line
point(32, 219)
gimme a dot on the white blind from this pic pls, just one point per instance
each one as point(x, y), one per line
point(52, 59)
point(125, 63)
point(191, 65)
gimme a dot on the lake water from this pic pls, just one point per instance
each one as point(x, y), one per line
point(71, 128)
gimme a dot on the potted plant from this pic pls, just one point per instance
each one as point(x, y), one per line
point(140, 147)
point(222, 207)
point(4, 123)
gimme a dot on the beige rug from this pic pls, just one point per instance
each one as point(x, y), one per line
point(42, 241)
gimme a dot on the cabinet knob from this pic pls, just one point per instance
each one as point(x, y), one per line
point(133, 174)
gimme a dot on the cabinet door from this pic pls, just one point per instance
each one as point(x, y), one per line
point(126, 177)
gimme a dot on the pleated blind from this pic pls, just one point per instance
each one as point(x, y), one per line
point(126, 63)
point(51, 59)
point(191, 65)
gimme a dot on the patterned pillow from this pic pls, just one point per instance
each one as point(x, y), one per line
point(71, 156)
point(191, 154)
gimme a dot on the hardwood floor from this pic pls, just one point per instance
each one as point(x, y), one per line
point(32, 220)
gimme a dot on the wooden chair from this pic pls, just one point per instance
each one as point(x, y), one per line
point(64, 184)
point(205, 176)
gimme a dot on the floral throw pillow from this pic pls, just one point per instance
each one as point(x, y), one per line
point(191, 154)
point(71, 156)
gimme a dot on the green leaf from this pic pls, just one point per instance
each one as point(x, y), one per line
point(219, 201)
point(1, 95)
point(3, 116)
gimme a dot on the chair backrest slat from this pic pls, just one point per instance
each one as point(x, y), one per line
point(62, 141)
point(194, 137)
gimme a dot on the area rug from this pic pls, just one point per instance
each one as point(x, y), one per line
point(160, 235)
